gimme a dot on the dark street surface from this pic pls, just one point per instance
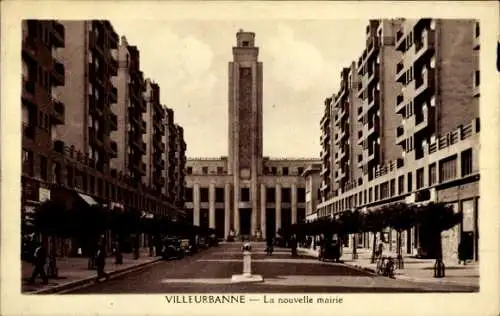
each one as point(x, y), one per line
point(210, 272)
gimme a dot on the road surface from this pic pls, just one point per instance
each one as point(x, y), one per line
point(210, 271)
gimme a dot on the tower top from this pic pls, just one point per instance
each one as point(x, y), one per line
point(245, 39)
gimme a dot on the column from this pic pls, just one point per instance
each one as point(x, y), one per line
point(236, 208)
point(278, 206)
point(227, 209)
point(294, 203)
point(263, 210)
point(211, 205)
point(196, 206)
point(254, 195)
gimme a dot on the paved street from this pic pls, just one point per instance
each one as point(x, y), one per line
point(210, 272)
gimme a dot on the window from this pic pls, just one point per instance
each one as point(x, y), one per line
point(477, 78)
point(376, 193)
point(270, 195)
point(466, 162)
point(43, 168)
point(28, 162)
point(219, 195)
point(274, 170)
point(420, 178)
point(384, 190)
point(401, 184)
point(204, 195)
point(204, 170)
point(301, 195)
point(220, 170)
point(448, 169)
point(393, 187)
point(245, 194)
point(432, 174)
point(245, 43)
point(300, 170)
point(188, 194)
point(477, 29)
point(410, 180)
point(285, 171)
point(189, 170)
point(370, 192)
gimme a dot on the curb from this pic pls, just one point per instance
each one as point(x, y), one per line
point(69, 286)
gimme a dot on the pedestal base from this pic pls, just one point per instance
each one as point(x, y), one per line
point(243, 278)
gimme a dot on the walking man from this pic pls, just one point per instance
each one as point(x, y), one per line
point(270, 244)
point(40, 258)
point(100, 260)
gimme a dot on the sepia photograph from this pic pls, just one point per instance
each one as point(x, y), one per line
point(206, 159)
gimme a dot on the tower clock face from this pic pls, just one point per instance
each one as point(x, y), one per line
point(245, 173)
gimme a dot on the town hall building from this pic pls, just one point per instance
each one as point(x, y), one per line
point(246, 192)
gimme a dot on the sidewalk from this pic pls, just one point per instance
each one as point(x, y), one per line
point(416, 270)
point(74, 272)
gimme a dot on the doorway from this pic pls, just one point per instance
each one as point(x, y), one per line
point(270, 222)
point(245, 221)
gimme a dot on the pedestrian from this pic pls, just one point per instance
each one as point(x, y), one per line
point(40, 259)
point(293, 245)
point(270, 245)
point(100, 261)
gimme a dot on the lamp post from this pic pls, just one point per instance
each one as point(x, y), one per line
point(247, 275)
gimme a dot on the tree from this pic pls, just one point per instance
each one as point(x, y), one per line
point(401, 217)
point(435, 218)
point(52, 219)
point(350, 223)
point(373, 221)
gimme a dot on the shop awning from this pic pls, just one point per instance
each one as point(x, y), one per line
point(88, 199)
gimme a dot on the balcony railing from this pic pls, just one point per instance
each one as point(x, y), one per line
point(58, 110)
point(58, 72)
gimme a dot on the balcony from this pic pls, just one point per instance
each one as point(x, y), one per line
point(58, 72)
point(400, 134)
point(29, 131)
point(424, 119)
point(373, 101)
point(113, 122)
point(94, 138)
point(94, 109)
point(142, 146)
point(57, 116)
point(400, 105)
point(373, 74)
point(113, 149)
point(113, 66)
point(400, 67)
point(58, 34)
point(400, 40)
point(425, 82)
point(425, 46)
point(373, 127)
point(113, 94)
point(28, 93)
point(373, 152)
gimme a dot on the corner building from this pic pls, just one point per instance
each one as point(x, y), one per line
point(245, 191)
point(416, 134)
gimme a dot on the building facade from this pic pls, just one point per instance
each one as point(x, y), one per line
point(245, 192)
point(417, 136)
point(84, 122)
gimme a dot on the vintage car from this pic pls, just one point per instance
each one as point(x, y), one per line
point(329, 251)
point(172, 249)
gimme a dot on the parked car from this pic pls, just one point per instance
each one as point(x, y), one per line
point(330, 251)
point(213, 241)
point(187, 246)
point(172, 249)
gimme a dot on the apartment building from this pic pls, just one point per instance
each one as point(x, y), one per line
point(326, 150)
point(42, 72)
point(84, 135)
point(420, 124)
point(312, 175)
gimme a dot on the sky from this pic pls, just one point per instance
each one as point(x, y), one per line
point(302, 60)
